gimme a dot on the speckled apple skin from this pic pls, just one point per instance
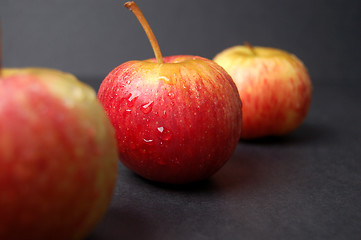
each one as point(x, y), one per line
point(58, 158)
point(274, 86)
point(176, 122)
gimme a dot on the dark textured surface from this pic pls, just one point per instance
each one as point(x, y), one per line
point(302, 186)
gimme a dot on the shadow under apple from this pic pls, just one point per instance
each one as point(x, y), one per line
point(307, 133)
point(269, 162)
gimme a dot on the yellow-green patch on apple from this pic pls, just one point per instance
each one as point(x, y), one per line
point(274, 86)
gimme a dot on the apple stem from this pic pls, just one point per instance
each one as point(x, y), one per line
point(250, 47)
point(153, 41)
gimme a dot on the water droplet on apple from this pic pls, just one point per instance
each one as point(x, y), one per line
point(147, 107)
point(132, 97)
point(131, 100)
point(164, 116)
point(125, 78)
point(164, 134)
point(127, 112)
point(126, 97)
point(171, 95)
point(148, 141)
point(165, 79)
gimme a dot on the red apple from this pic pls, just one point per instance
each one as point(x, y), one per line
point(274, 86)
point(177, 119)
point(58, 157)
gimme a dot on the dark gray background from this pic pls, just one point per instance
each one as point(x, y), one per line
point(91, 37)
point(302, 186)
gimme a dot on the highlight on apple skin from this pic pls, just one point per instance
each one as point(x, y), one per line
point(177, 119)
point(274, 86)
point(175, 122)
point(58, 158)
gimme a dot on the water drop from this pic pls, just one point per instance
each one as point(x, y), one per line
point(164, 116)
point(126, 97)
point(131, 100)
point(170, 81)
point(132, 97)
point(126, 79)
point(127, 112)
point(165, 79)
point(171, 95)
point(147, 108)
point(164, 134)
point(148, 141)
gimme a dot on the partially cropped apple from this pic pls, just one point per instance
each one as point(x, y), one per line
point(177, 119)
point(274, 86)
point(58, 157)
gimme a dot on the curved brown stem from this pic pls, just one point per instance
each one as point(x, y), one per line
point(153, 41)
point(250, 47)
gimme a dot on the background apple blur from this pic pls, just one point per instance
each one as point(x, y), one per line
point(90, 37)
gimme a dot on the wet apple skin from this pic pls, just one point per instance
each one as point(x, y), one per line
point(176, 122)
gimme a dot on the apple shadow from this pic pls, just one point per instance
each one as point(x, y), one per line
point(305, 134)
point(248, 166)
point(245, 171)
point(195, 187)
point(255, 167)
point(264, 162)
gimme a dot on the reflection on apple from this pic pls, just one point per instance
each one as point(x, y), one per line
point(177, 119)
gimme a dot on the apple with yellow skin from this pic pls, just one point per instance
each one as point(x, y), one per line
point(274, 86)
point(58, 158)
point(177, 119)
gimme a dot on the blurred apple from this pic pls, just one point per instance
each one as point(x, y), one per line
point(274, 86)
point(177, 119)
point(58, 158)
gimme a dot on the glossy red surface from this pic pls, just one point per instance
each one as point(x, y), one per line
point(176, 122)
